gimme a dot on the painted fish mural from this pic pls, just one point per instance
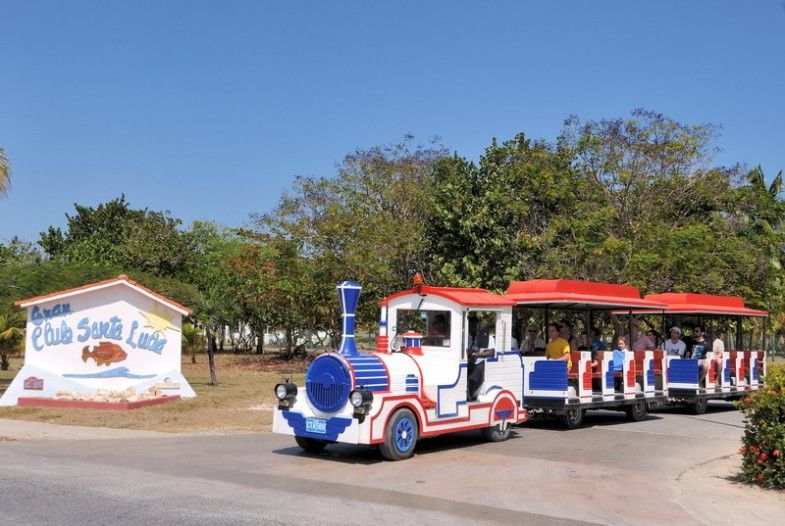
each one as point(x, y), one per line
point(104, 353)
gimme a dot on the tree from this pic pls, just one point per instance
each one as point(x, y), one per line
point(208, 269)
point(366, 224)
point(493, 222)
point(5, 172)
point(18, 252)
point(11, 336)
point(653, 175)
point(280, 286)
point(193, 340)
point(114, 234)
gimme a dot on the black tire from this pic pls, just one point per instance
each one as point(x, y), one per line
point(495, 434)
point(400, 436)
point(573, 418)
point(637, 411)
point(311, 445)
point(698, 407)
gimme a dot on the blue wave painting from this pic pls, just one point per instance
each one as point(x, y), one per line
point(117, 372)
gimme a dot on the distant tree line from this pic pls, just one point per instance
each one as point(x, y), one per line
point(635, 200)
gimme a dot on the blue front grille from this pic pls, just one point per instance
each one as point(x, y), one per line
point(328, 383)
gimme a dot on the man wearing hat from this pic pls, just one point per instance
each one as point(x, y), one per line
point(674, 346)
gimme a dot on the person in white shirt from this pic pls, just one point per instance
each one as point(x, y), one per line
point(718, 350)
point(532, 342)
point(674, 346)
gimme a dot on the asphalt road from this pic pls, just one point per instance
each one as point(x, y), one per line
point(609, 472)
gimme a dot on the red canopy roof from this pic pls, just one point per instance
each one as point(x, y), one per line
point(466, 297)
point(568, 293)
point(704, 304)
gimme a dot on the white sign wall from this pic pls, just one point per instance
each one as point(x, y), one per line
point(108, 338)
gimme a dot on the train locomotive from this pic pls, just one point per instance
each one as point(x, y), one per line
point(415, 384)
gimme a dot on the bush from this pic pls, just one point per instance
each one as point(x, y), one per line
point(763, 450)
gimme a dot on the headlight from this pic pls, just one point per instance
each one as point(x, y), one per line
point(284, 391)
point(360, 398)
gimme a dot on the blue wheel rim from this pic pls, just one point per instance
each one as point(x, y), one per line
point(404, 434)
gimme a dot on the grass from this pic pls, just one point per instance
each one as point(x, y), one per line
point(242, 400)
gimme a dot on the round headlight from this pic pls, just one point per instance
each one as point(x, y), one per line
point(280, 391)
point(356, 398)
point(360, 398)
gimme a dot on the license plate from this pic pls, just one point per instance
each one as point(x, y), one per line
point(316, 425)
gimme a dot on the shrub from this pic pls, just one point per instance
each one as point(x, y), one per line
point(763, 449)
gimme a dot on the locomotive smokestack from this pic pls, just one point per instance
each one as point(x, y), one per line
point(348, 295)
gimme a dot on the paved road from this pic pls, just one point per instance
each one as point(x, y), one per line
point(610, 472)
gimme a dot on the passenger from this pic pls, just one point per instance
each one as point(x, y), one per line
point(619, 355)
point(486, 349)
point(674, 346)
point(718, 350)
point(700, 350)
point(558, 348)
point(565, 331)
point(652, 337)
point(583, 341)
point(532, 342)
point(597, 345)
point(641, 341)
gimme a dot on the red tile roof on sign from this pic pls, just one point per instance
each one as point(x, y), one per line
point(688, 303)
point(466, 297)
point(567, 293)
point(122, 279)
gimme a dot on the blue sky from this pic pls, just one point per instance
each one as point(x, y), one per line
point(210, 109)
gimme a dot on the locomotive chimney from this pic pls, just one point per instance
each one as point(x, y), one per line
point(348, 295)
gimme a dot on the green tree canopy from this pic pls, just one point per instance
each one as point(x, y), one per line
point(114, 234)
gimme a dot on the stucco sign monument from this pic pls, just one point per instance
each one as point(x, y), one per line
point(111, 335)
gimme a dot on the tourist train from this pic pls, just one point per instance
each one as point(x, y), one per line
point(424, 378)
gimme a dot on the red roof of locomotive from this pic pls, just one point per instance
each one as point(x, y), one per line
point(461, 296)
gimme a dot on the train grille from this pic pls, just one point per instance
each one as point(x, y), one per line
point(328, 384)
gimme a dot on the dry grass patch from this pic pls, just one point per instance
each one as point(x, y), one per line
point(242, 401)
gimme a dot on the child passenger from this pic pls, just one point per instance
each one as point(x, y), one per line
point(619, 355)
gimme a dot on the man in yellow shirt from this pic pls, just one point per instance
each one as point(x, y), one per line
point(558, 348)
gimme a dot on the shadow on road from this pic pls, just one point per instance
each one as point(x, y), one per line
point(593, 418)
point(714, 406)
point(369, 455)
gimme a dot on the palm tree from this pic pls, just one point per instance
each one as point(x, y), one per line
point(193, 340)
point(11, 336)
point(757, 180)
point(769, 216)
point(5, 173)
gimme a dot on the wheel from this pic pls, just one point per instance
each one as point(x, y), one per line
point(312, 445)
point(400, 436)
point(495, 433)
point(637, 411)
point(573, 418)
point(698, 407)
